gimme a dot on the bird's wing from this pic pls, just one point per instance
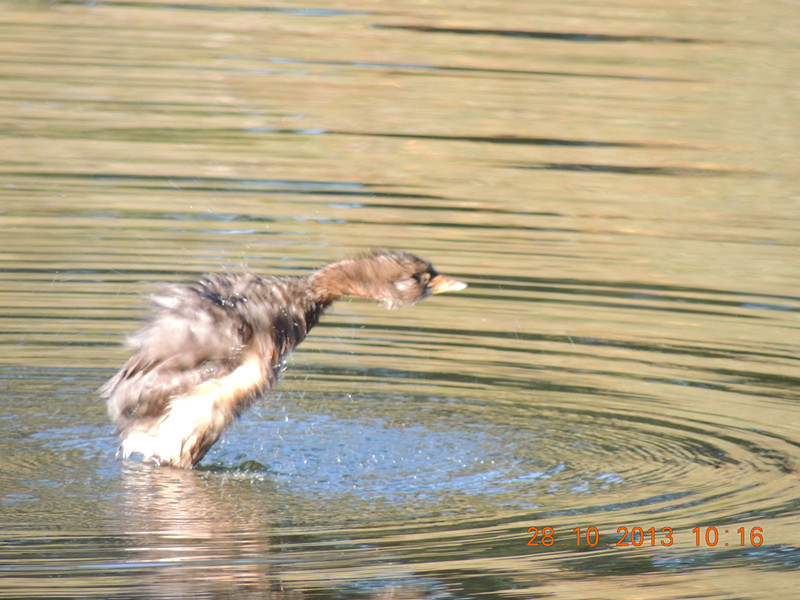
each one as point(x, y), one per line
point(192, 335)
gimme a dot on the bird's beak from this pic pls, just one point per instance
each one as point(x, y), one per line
point(442, 283)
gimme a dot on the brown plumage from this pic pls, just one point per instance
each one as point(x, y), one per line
point(210, 348)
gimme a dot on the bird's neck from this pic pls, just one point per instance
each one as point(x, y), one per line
point(349, 277)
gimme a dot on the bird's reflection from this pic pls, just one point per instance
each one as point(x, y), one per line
point(190, 536)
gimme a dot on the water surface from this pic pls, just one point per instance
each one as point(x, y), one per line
point(616, 182)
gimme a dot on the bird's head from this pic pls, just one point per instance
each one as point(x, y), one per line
point(407, 279)
point(394, 279)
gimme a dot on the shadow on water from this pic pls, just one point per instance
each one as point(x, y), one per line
point(647, 170)
point(549, 35)
point(443, 68)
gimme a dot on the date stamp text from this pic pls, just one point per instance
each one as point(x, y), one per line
point(640, 536)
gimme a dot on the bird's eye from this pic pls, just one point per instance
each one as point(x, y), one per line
point(423, 277)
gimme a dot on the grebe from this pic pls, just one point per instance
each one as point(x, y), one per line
point(210, 348)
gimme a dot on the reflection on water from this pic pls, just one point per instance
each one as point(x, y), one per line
point(188, 540)
point(618, 188)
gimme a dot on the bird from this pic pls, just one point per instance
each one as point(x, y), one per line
point(209, 349)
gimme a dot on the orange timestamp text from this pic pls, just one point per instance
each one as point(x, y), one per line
point(639, 536)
